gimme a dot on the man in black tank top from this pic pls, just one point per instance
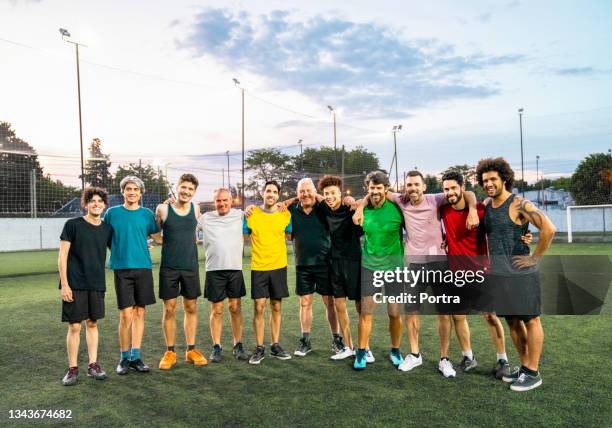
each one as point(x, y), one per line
point(513, 271)
point(179, 271)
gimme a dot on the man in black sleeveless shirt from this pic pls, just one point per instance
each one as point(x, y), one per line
point(179, 271)
point(513, 270)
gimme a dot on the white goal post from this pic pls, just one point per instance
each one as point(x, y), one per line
point(575, 207)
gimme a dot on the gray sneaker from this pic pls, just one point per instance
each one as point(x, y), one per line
point(215, 356)
point(466, 364)
point(512, 377)
point(337, 344)
point(501, 369)
point(303, 348)
point(239, 352)
point(258, 355)
point(94, 370)
point(526, 382)
point(71, 376)
point(278, 352)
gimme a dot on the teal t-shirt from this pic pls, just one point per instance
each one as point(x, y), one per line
point(131, 229)
point(382, 245)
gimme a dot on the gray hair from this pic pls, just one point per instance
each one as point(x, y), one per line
point(305, 180)
point(221, 190)
point(134, 180)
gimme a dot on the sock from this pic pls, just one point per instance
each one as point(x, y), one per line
point(125, 355)
point(171, 348)
point(529, 371)
point(76, 368)
point(135, 354)
point(191, 347)
point(91, 364)
point(444, 358)
point(502, 356)
point(306, 336)
point(395, 350)
point(216, 346)
point(361, 350)
point(417, 355)
point(468, 354)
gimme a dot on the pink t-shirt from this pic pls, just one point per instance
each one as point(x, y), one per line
point(424, 227)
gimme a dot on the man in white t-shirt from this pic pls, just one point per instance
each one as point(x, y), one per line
point(223, 243)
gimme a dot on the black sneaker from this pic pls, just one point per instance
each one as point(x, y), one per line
point(215, 357)
point(513, 377)
point(71, 376)
point(467, 364)
point(139, 366)
point(239, 352)
point(303, 348)
point(258, 355)
point(501, 369)
point(337, 344)
point(526, 382)
point(123, 367)
point(94, 370)
point(278, 352)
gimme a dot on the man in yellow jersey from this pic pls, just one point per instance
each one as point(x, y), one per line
point(268, 229)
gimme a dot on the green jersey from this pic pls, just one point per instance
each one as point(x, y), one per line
point(382, 246)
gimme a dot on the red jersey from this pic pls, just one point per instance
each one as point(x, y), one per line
point(467, 249)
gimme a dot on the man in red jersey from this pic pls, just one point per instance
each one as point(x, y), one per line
point(467, 251)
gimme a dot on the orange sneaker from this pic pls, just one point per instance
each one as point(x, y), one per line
point(167, 361)
point(195, 357)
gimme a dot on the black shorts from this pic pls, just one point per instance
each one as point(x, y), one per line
point(270, 284)
point(432, 275)
point(309, 279)
point(345, 276)
point(221, 284)
point(374, 282)
point(85, 305)
point(175, 282)
point(134, 287)
point(517, 296)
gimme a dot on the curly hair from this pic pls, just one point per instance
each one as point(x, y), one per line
point(499, 165)
point(329, 180)
point(453, 175)
point(90, 192)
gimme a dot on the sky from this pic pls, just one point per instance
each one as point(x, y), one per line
point(156, 80)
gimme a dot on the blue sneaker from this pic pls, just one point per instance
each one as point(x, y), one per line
point(396, 357)
point(360, 360)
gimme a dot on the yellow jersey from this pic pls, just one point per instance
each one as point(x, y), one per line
point(268, 245)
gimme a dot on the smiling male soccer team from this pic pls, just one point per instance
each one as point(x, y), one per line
point(338, 246)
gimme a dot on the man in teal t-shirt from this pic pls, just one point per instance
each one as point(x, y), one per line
point(382, 251)
point(131, 262)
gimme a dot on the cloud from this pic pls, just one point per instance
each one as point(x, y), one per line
point(484, 18)
point(366, 67)
point(580, 71)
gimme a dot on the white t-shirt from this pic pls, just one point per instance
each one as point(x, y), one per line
point(222, 239)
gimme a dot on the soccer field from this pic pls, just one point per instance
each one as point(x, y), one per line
point(310, 391)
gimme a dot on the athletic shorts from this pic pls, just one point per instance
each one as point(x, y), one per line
point(269, 284)
point(431, 275)
point(309, 279)
point(371, 286)
point(345, 276)
point(221, 284)
point(517, 296)
point(134, 287)
point(175, 282)
point(85, 305)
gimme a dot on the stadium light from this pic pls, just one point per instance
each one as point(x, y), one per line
point(65, 34)
point(237, 83)
point(520, 112)
point(333, 112)
point(395, 130)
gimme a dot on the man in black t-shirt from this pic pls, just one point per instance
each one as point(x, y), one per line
point(82, 256)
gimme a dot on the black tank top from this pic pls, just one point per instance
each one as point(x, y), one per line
point(180, 250)
point(504, 239)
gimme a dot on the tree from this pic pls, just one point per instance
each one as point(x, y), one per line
point(154, 181)
point(266, 165)
point(19, 170)
point(97, 168)
point(433, 184)
point(591, 183)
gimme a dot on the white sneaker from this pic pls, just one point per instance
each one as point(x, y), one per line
point(410, 362)
point(344, 353)
point(446, 368)
point(369, 357)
